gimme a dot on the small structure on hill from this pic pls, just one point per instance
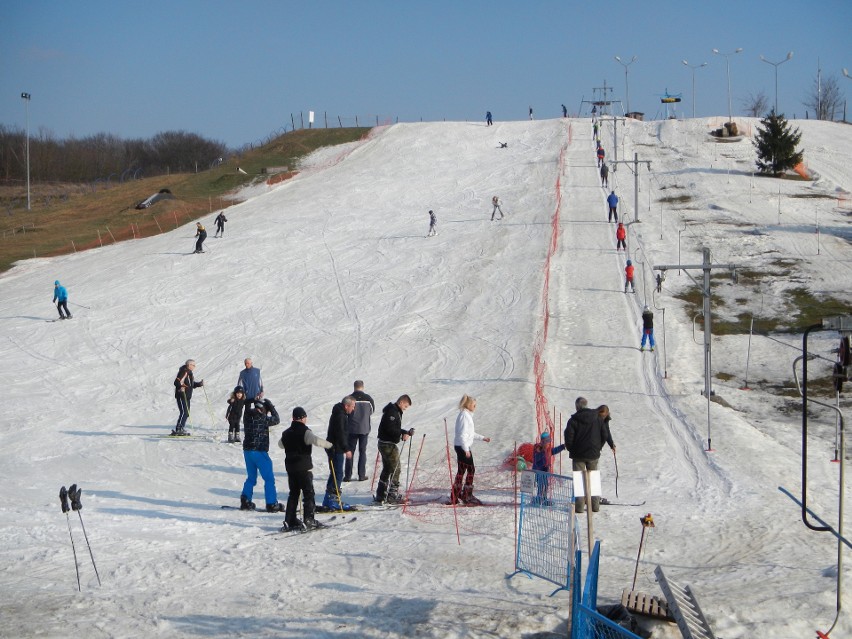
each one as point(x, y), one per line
point(162, 194)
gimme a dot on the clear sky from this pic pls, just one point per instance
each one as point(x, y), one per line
point(235, 71)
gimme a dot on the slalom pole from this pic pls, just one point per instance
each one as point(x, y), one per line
point(647, 522)
point(615, 459)
point(408, 466)
point(77, 505)
point(452, 494)
point(336, 485)
point(209, 408)
point(414, 474)
point(63, 500)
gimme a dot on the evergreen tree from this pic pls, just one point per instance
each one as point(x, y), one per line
point(776, 145)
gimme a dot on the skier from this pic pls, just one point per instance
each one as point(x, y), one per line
point(236, 404)
point(488, 120)
point(604, 175)
point(60, 298)
point(296, 442)
point(612, 201)
point(628, 276)
point(543, 453)
point(621, 237)
point(595, 130)
point(390, 434)
point(358, 430)
point(201, 234)
point(220, 224)
point(495, 202)
point(647, 328)
point(584, 438)
point(601, 153)
point(433, 223)
point(251, 381)
point(256, 454)
point(465, 436)
point(184, 383)
point(564, 111)
point(531, 113)
point(338, 454)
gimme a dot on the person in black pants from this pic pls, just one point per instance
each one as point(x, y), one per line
point(201, 234)
point(220, 224)
point(184, 383)
point(296, 442)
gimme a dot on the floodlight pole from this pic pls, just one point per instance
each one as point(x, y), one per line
point(728, 69)
point(706, 266)
point(635, 163)
point(776, 65)
point(694, 67)
point(26, 97)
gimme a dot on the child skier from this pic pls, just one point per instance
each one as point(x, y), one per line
point(647, 328)
point(236, 403)
point(628, 276)
point(543, 453)
point(604, 175)
point(601, 155)
point(621, 236)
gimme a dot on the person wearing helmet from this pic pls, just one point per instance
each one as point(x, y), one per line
point(628, 276)
point(621, 237)
point(612, 202)
point(236, 404)
point(647, 328)
point(258, 420)
point(60, 298)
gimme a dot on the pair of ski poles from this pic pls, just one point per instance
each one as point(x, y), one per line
point(73, 493)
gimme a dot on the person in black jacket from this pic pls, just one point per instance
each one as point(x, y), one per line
point(390, 434)
point(585, 434)
point(184, 383)
point(358, 429)
point(256, 427)
point(201, 235)
point(236, 402)
point(220, 224)
point(296, 442)
point(339, 452)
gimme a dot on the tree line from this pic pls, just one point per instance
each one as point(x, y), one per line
point(103, 155)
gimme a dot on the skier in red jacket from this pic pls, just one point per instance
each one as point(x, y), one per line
point(628, 276)
point(621, 236)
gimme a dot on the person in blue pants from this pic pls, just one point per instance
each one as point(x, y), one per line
point(647, 328)
point(256, 427)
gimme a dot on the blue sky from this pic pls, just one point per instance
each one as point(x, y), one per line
point(235, 71)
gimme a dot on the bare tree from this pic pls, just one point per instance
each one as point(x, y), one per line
point(825, 98)
point(755, 105)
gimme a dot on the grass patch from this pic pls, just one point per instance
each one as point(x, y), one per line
point(81, 218)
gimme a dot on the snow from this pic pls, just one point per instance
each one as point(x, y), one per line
point(329, 277)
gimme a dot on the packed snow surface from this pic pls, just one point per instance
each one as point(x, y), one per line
point(329, 277)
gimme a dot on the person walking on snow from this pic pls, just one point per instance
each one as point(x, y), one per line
point(604, 175)
point(389, 435)
point(184, 384)
point(256, 455)
point(647, 328)
point(358, 430)
point(220, 224)
point(201, 234)
point(628, 276)
point(60, 298)
point(612, 201)
point(236, 405)
point(495, 202)
point(433, 223)
point(564, 111)
point(338, 454)
point(601, 153)
point(584, 439)
point(465, 436)
point(296, 442)
point(488, 120)
point(621, 237)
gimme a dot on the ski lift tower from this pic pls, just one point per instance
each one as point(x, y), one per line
point(601, 101)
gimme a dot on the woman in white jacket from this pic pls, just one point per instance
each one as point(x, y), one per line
point(465, 436)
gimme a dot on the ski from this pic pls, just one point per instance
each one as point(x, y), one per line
point(347, 508)
point(319, 526)
point(607, 502)
point(261, 510)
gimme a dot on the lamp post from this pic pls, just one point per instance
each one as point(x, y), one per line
point(694, 67)
point(776, 65)
point(728, 69)
point(26, 97)
point(626, 85)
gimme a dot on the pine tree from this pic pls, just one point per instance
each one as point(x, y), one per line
point(776, 145)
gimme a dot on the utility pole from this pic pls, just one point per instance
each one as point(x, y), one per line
point(635, 163)
point(706, 266)
point(614, 121)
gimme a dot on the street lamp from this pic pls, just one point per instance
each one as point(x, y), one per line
point(26, 97)
point(694, 67)
point(776, 65)
point(728, 68)
point(626, 86)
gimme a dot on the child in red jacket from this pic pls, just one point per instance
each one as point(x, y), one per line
point(621, 236)
point(628, 276)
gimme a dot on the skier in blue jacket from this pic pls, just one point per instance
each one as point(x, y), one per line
point(612, 201)
point(60, 298)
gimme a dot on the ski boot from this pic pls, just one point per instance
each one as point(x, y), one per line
point(246, 503)
point(275, 508)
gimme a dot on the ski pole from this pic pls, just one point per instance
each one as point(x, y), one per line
point(63, 500)
point(408, 468)
point(336, 485)
point(81, 306)
point(615, 459)
point(74, 493)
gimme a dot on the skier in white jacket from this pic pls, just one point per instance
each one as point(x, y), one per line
point(465, 436)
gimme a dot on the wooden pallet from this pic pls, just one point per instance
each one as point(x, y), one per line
point(685, 609)
point(644, 604)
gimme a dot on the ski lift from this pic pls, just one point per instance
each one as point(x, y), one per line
point(670, 98)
